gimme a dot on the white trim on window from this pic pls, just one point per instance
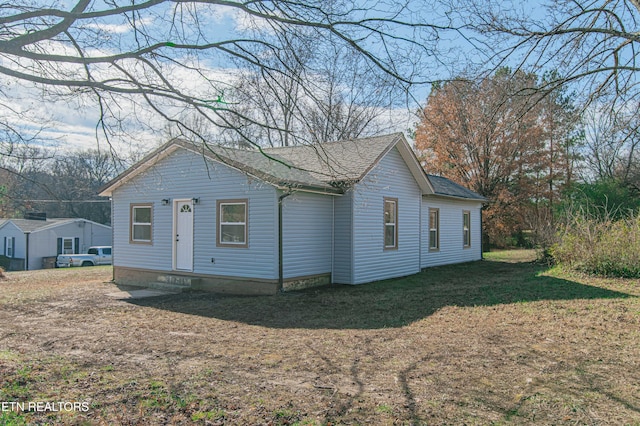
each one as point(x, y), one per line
point(10, 249)
point(68, 245)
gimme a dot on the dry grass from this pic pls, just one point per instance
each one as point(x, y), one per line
point(495, 342)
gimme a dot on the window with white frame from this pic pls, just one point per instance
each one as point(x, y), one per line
point(466, 228)
point(9, 250)
point(390, 223)
point(434, 229)
point(232, 223)
point(68, 246)
point(141, 224)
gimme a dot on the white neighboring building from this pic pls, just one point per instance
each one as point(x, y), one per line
point(26, 241)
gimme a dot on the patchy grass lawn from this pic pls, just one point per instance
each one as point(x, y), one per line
point(502, 341)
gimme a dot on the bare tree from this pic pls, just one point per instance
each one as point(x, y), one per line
point(312, 92)
point(175, 58)
point(611, 145)
point(20, 131)
point(272, 96)
point(593, 43)
point(62, 186)
point(351, 99)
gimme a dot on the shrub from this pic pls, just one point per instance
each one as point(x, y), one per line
point(599, 245)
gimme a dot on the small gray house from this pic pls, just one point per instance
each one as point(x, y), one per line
point(26, 242)
point(242, 221)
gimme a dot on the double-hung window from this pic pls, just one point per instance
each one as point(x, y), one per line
point(141, 224)
point(434, 229)
point(466, 228)
point(9, 246)
point(232, 223)
point(68, 246)
point(390, 223)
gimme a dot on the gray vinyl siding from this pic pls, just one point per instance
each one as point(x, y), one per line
point(342, 239)
point(10, 230)
point(451, 237)
point(44, 242)
point(307, 232)
point(185, 175)
point(389, 178)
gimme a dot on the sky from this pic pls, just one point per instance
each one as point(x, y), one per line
point(73, 123)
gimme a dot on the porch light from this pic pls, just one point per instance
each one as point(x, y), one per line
point(165, 201)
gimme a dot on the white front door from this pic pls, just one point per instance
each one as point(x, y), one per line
point(183, 245)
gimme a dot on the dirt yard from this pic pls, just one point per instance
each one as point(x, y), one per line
point(501, 341)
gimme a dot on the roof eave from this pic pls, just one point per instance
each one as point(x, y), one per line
point(458, 197)
point(67, 221)
point(170, 147)
point(414, 165)
point(410, 160)
point(149, 160)
point(9, 221)
point(263, 176)
point(289, 186)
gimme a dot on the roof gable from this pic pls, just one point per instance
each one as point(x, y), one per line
point(267, 167)
point(6, 222)
point(327, 167)
point(29, 225)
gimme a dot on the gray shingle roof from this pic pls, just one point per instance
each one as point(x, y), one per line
point(329, 167)
point(347, 160)
point(270, 167)
point(326, 166)
point(28, 225)
point(446, 187)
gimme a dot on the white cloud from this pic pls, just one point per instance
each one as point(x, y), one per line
point(121, 28)
point(72, 122)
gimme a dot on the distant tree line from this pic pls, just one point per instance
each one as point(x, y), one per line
point(533, 153)
point(59, 185)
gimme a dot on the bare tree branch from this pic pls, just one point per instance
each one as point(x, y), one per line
point(174, 56)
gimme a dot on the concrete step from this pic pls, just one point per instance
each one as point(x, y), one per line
point(173, 288)
point(178, 280)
